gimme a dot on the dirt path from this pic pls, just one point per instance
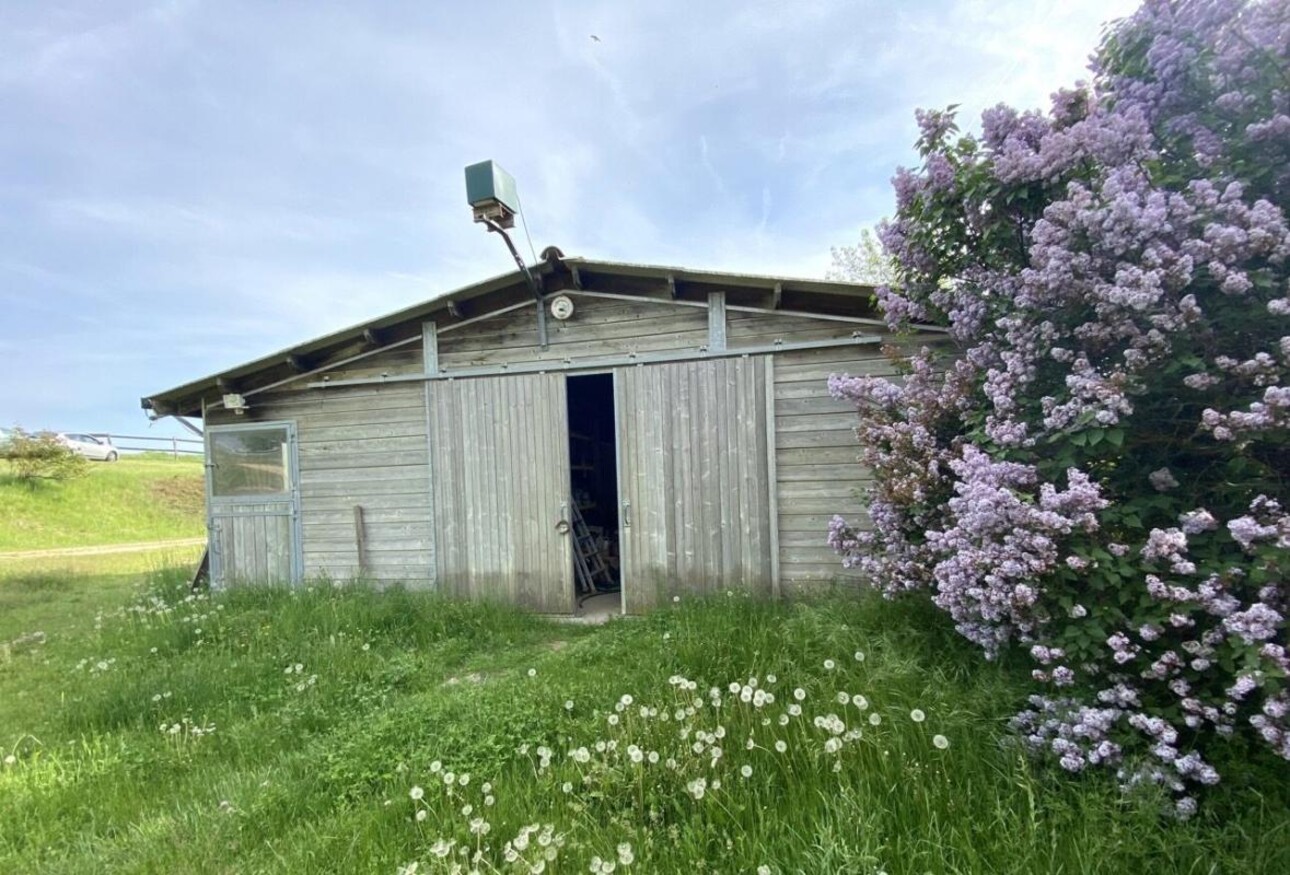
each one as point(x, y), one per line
point(104, 549)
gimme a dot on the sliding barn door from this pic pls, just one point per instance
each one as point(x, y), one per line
point(500, 454)
point(693, 479)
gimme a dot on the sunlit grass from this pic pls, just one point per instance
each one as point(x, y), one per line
point(314, 730)
point(139, 498)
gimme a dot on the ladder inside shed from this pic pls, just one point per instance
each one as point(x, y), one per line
point(588, 559)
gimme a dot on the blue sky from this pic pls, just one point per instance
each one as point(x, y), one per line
point(188, 185)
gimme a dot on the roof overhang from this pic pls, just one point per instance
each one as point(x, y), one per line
point(551, 276)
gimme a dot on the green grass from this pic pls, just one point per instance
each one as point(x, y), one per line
point(139, 498)
point(311, 770)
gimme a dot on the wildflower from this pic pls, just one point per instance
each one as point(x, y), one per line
point(449, 778)
point(417, 793)
point(436, 767)
point(367, 647)
point(799, 694)
point(489, 800)
point(533, 672)
point(467, 810)
point(613, 719)
point(10, 760)
point(442, 848)
point(829, 665)
point(625, 854)
point(763, 870)
point(875, 718)
point(770, 678)
point(860, 701)
point(795, 710)
point(940, 742)
point(422, 814)
point(567, 787)
point(746, 771)
point(568, 704)
point(917, 716)
point(781, 746)
point(859, 656)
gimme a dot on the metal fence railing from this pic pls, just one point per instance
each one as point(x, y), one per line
point(172, 446)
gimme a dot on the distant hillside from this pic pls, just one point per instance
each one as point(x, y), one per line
point(136, 499)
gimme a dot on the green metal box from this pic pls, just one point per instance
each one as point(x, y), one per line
point(487, 182)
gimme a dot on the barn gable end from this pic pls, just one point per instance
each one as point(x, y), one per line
point(433, 444)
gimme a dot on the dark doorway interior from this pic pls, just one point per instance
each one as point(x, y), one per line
point(593, 465)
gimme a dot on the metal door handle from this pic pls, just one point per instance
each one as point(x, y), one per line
point(627, 514)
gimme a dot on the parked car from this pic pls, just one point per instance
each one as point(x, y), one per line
point(99, 449)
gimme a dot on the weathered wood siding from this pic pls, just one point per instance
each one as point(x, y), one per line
point(694, 474)
point(745, 329)
point(501, 475)
point(366, 446)
point(253, 543)
point(818, 473)
point(598, 327)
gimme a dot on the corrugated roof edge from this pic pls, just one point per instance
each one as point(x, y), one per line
point(496, 283)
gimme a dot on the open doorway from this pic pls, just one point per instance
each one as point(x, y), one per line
point(593, 474)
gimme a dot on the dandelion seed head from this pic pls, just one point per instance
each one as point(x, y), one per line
point(829, 665)
point(781, 746)
point(417, 793)
point(533, 672)
point(940, 742)
point(422, 814)
point(875, 718)
point(746, 771)
point(799, 694)
point(917, 715)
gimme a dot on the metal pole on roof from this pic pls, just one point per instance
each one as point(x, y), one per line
point(528, 275)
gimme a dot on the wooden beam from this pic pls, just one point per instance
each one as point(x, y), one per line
point(360, 539)
point(610, 361)
point(430, 347)
point(716, 321)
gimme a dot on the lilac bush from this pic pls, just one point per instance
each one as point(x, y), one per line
point(1094, 470)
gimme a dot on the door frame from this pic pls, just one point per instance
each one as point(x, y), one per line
point(229, 503)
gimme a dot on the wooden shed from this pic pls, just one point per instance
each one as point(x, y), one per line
point(647, 430)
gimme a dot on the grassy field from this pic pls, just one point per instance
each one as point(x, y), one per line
point(341, 730)
point(139, 498)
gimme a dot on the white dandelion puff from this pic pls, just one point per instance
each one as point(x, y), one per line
point(940, 742)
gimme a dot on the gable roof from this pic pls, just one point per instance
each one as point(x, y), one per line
point(552, 275)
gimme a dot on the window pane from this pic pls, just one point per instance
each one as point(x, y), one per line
point(250, 462)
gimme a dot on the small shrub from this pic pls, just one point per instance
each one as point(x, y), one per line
point(41, 456)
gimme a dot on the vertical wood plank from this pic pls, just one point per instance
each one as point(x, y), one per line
point(716, 321)
point(430, 347)
point(772, 475)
